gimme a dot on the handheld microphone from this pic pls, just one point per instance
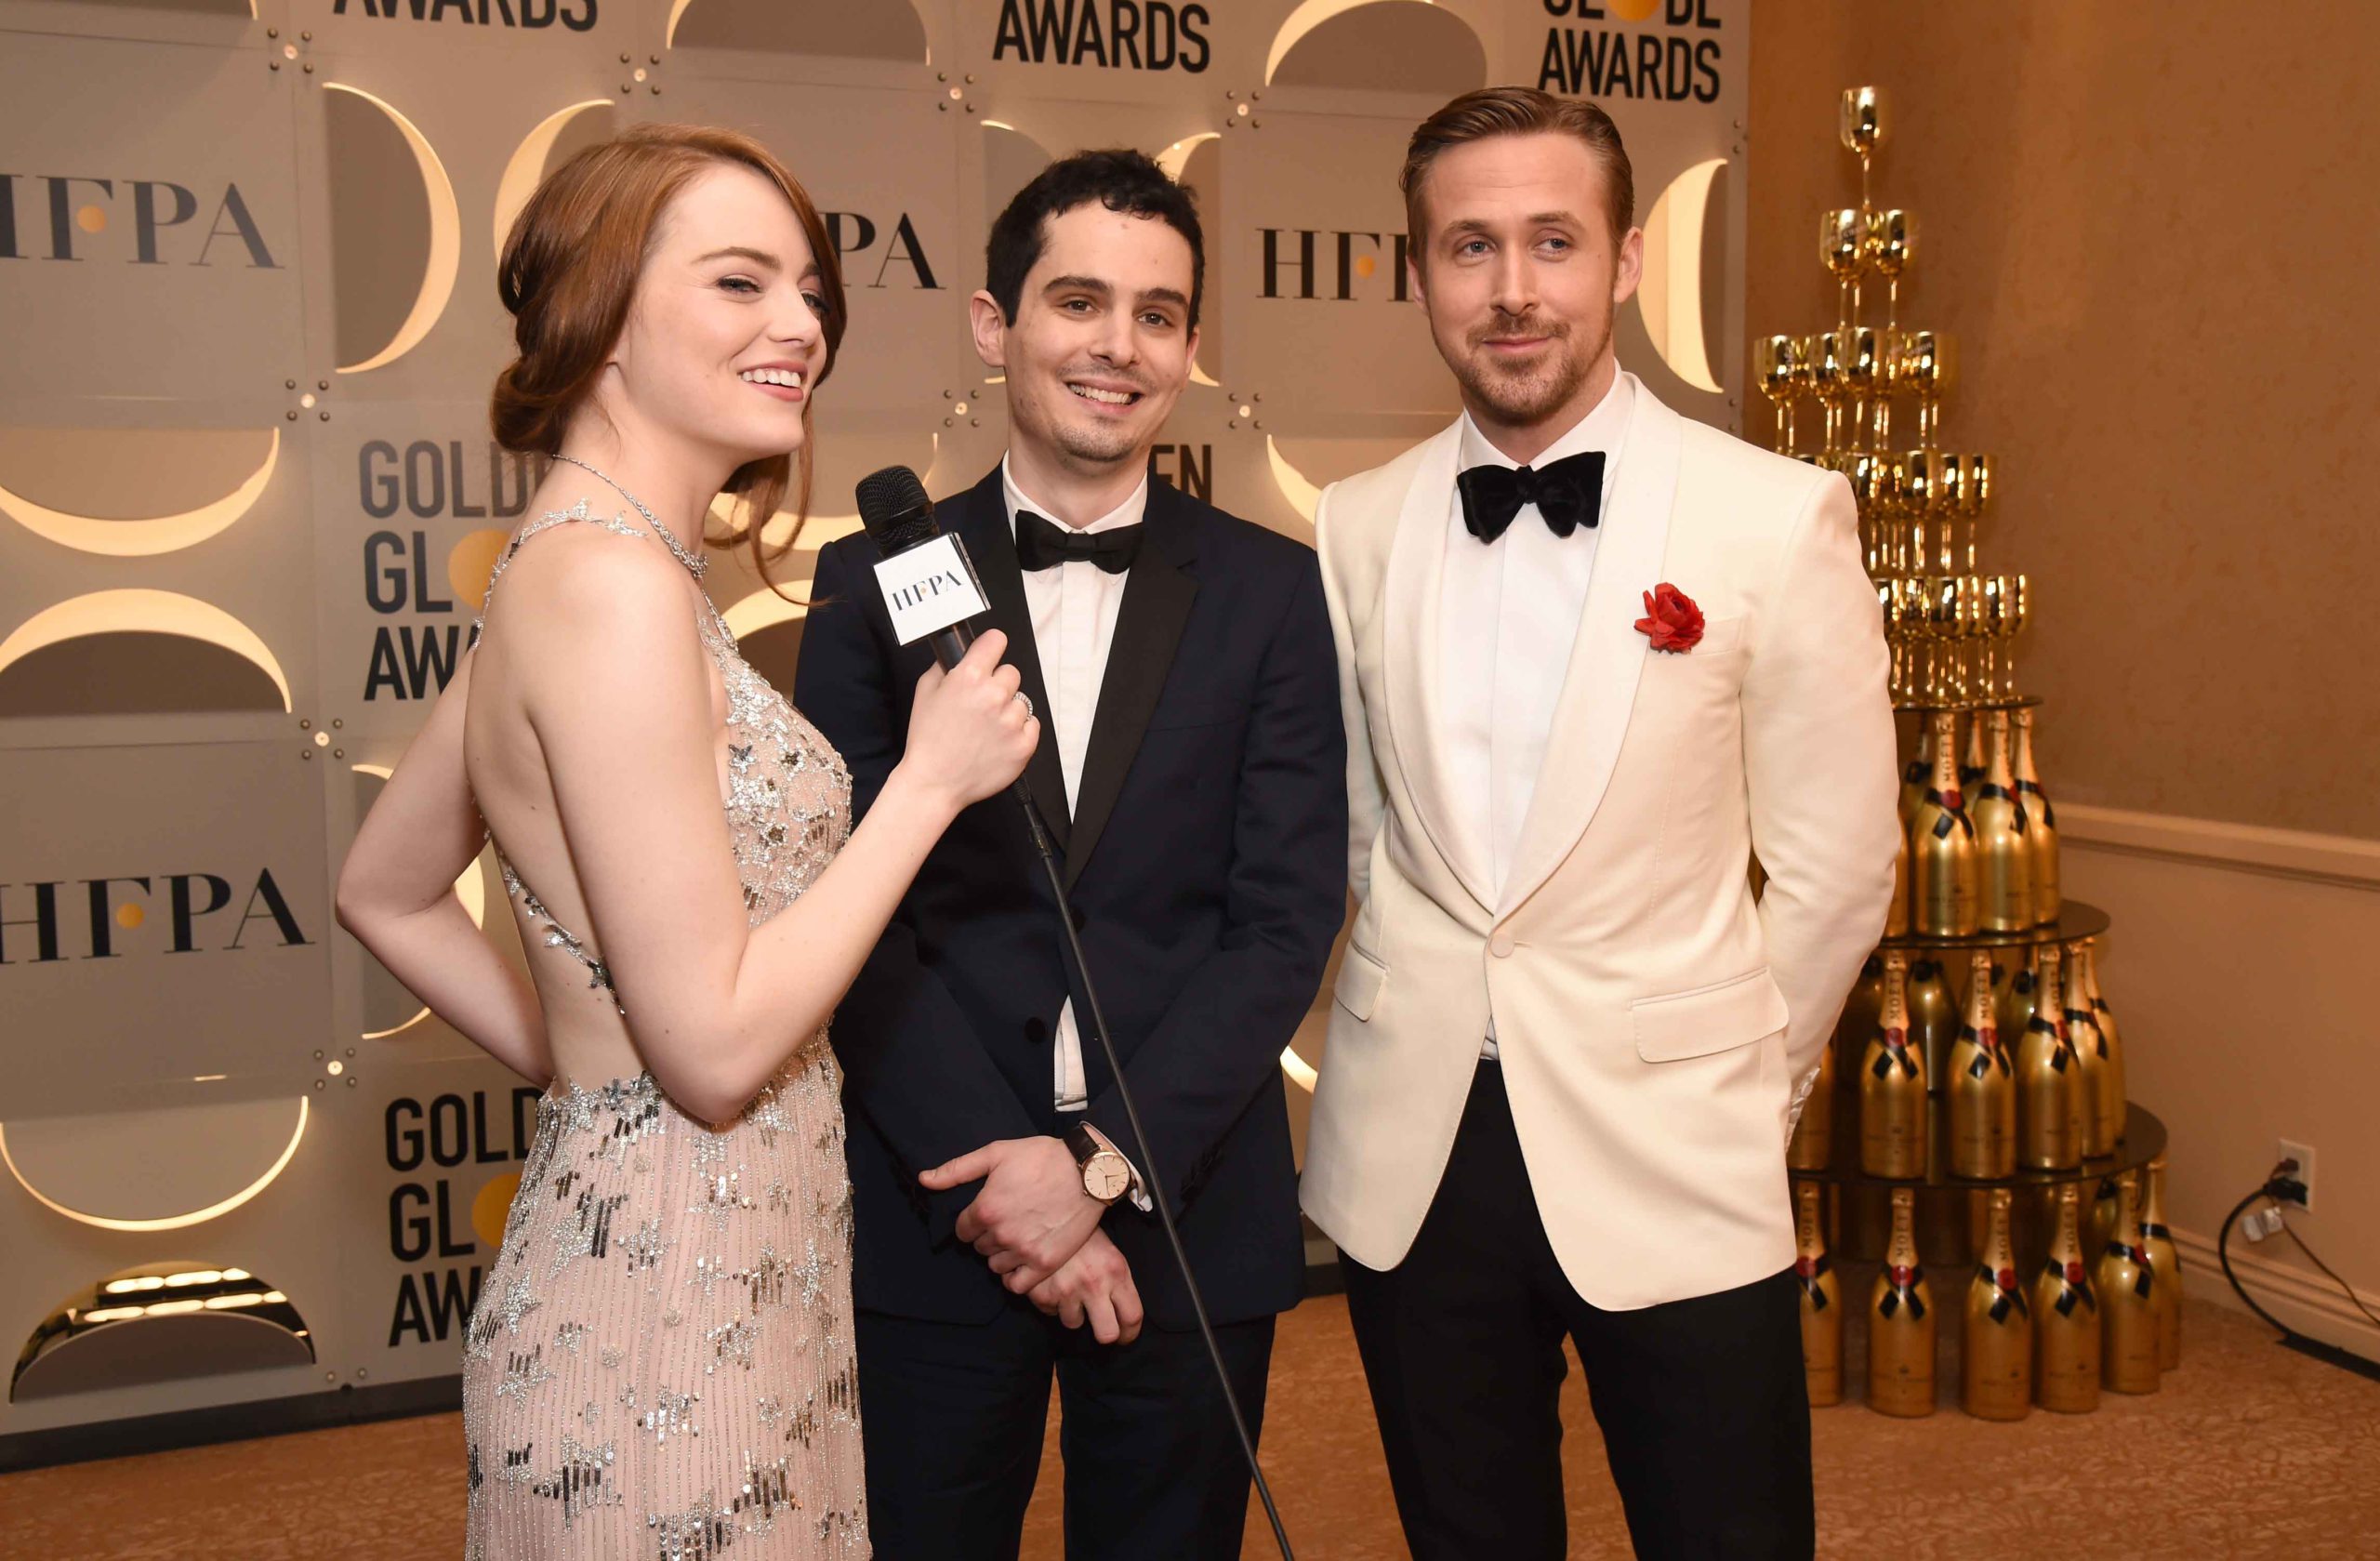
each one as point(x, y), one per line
point(931, 590)
point(929, 582)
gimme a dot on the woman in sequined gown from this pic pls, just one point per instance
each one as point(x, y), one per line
point(659, 1362)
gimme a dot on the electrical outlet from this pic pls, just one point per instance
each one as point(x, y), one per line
point(2304, 1155)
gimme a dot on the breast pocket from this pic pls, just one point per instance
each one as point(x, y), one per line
point(1708, 1019)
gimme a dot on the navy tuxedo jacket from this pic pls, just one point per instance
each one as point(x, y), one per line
point(1206, 868)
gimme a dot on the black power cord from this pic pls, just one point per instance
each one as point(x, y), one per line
point(2280, 1188)
point(1156, 1182)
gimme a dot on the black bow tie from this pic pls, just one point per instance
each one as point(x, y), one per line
point(1569, 493)
point(1042, 544)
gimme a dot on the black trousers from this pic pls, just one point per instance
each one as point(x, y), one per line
point(953, 1417)
point(1704, 1411)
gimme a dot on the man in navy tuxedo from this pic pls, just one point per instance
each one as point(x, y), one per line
point(1191, 773)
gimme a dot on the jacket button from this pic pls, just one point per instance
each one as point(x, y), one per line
point(1080, 920)
point(1501, 945)
point(1036, 1031)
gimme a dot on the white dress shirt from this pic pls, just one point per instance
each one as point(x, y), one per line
point(1508, 613)
point(1073, 608)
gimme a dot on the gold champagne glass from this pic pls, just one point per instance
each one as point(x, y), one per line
point(1774, 368)
point(1975, 497)
point(1843, 255)
point(1921, 472)
point(1973, 689)
point(1909, 628)
point(1929, 367)
point(1994, 607)
point(1830, 378)
point(2020, 607)
point(1862, 128)
point(1891, 243)
point(1950, 487)
point(1888, 598)
point(1863, 372)
point(1943, 632)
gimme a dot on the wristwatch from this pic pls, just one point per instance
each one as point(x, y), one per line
point(1106, 1174)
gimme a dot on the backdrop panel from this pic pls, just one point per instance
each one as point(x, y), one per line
point(248, 500)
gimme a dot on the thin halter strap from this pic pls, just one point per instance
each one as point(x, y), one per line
point(552, 518)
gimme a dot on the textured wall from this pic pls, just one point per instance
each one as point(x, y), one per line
point(2151, 228)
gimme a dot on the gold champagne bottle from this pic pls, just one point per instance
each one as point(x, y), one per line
point(1915, 775)
point(2014, 996)
point(2108, 1096)
point(2049, 1084)
point(1892, 1085)
point(1900, 1323)
point(2041, 823)
point(2101, 1201)
point(2065, 1319)
point(1933, 1016)
point(1860, 1010)
point(1944, 875)
point(2167, 1261)
point(1982, 1087)
point(1896, 908)
point(1996, 1373)
point(2102, 1099)
point(1813, 1139)
point(1973, 766)
point(2003, 845)
point(1821, 1300)
point(2127, 1285)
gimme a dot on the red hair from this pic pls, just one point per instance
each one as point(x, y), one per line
point(569, 274)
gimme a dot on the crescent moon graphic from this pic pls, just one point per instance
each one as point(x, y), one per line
point(1304, 20)
point(1670, 299)
point(142, 612)
point(527, 164)
point(170, 1222)
point(445, 240)
point(1302, 496)
point(144, 538)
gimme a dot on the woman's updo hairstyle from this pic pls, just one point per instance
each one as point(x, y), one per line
point(569, 274)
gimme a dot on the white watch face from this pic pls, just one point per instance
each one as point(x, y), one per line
point(1104, 1176)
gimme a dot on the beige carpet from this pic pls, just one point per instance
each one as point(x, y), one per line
point(2251, 1451)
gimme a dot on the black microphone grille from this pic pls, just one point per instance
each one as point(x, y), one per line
point(894, 510)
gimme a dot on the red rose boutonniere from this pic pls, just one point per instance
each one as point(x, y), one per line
point(1671, 619)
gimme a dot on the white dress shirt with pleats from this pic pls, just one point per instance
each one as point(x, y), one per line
point(1073, 608)
point(1508, 612)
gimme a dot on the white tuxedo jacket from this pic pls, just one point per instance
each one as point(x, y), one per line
point(1657, 1025)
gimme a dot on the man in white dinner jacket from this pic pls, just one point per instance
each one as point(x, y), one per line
point(1593, 658)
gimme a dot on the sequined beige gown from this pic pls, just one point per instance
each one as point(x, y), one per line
point(659, 1365)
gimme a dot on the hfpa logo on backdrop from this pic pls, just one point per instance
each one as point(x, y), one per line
point(144, 221)
point(44, 922)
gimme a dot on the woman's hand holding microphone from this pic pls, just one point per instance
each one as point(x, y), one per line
point(971, 731)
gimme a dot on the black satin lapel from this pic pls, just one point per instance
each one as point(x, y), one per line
point(1149, 622)
point(993, 549)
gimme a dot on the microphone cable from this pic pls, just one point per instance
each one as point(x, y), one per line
point(1157, 1186)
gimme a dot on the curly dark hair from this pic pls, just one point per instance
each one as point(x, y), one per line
point(1120, 180)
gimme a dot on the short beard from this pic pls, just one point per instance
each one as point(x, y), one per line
point(1527, 397)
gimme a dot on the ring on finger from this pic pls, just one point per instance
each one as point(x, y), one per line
point(1025, 699)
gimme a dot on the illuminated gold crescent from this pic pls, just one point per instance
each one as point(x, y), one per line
point(142, 611)
point(168, 1221)
point(445, 240)
point(1669, 297)
point(527, 165)
point(144, 538)
point(1305, 19)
